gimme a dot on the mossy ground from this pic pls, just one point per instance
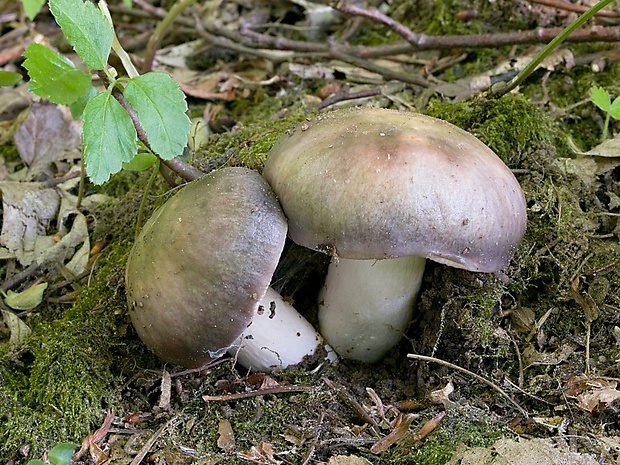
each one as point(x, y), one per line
point(84, 360)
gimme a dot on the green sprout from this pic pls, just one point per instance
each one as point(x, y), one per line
point(601, 99)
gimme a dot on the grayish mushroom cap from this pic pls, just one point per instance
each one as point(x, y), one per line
point(201, 264)
point(375, 184)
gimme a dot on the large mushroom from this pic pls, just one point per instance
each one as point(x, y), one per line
point(381, 191)
point(198, 277)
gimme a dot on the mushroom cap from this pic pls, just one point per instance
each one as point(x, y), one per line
point(374, 184)
point(201, 264)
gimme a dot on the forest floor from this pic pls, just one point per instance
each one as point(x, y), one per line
point(524, 370)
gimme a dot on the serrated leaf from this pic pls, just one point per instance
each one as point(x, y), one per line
point(9, 78)
point(600, 98)
point(109, 137)
point(53, 76)
point(26, 300)
point(32, 7)
point(86, 28)
point(161, 106)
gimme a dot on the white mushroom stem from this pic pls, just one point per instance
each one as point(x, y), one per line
point(277, 337)
point(365, 306)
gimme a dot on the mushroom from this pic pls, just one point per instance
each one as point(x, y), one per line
point(381, 191)
point(198, 275)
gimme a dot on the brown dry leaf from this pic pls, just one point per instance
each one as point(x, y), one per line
point(17, 328)
point(226, 439)
point(46, 136)
point(347, 460)
point(592, 394)
point(523, 452)
point(28, 209)
point(263, 454)
point(400, 432)
point(440, 395)
point(531, 357)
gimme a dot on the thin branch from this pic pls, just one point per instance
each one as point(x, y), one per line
point(259, 392)
point(562, 5)
point(473, 375)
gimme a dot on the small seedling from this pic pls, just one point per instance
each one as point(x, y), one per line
point(152, 102)
point(60, 454)
point(601, 99)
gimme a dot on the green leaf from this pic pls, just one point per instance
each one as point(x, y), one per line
point(26, 300)
point(32, 7)
point(54, 77)
point(62, 453)
point(35, 462)
point(600, 97)
point(140, 162)
point(9, 78)
point(614, 108)
point(108, 136)
point(77, 107)
point(86, 28)
point(161, 106)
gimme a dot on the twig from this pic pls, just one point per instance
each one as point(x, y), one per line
point(474, 375)
point(425, 42)
point(502, 88)
point(562, 5)
point(344, 395)
point(19, 277)
point(147, 446)
point(346, 95)
point(260, 392)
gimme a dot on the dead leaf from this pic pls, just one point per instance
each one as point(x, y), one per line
point(46, 136)
point(531, 357)
point(592, 394)
point(347, 460)
point(226, 439)
point(400, 432)
point(522, 452)
point(28, 210)
point(18, 329)
point(263, 454)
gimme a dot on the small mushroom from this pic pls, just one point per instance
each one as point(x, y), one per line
point(198, 275)
point(381, 191)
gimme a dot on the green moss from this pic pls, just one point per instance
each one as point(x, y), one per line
point(511, 125)
point(61, 386)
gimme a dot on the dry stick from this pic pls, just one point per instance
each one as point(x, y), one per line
point(147, 446)
point(259, 392)
point(344, 396)
point(474, 375)
point(562, 5)
point(425, 42)
point(502, 88)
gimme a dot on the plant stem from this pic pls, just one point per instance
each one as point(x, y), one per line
point(117, 47)
point(502, 88)
point(160, 30)
point(606, 126)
